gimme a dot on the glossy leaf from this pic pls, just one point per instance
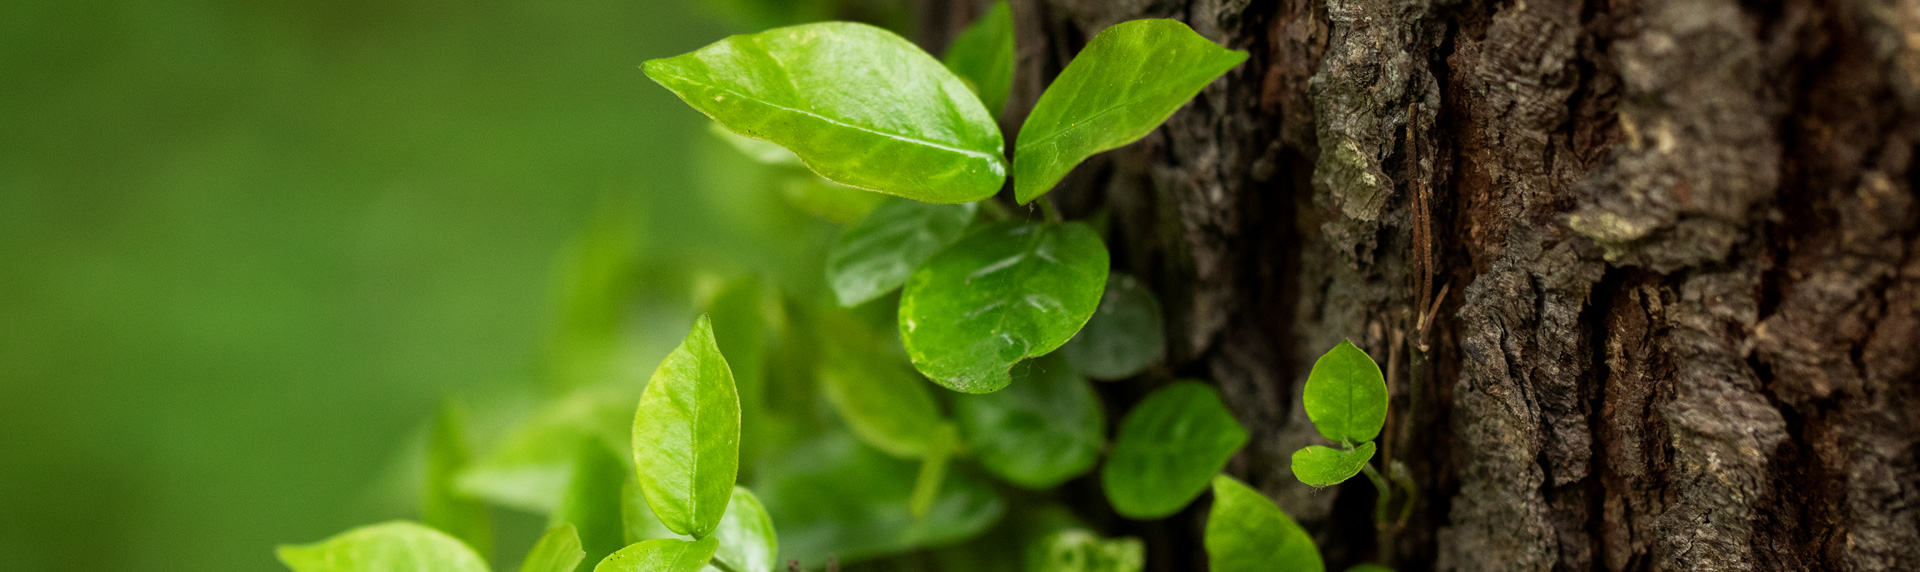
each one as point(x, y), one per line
point(397, 546)
point(747, 539)
point(1077, 550)
point(1124, 336)
point(1007, 292)
point(983, 55)
point(1044, 428)
point(1128, 80)
point(1325, 466)
point(686, 435)
point(886, 403)
point(1346, 397)
point(660, 555)
point(442, 505)
point(1246, 532)
point(877, 254)
point(859, 105)
point(593, 499)
point(1169, 448)
point(557, 551)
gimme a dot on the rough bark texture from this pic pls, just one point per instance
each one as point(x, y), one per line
point(1669, 250)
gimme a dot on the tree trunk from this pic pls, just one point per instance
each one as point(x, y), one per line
point(1645, 276)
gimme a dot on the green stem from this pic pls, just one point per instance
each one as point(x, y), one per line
point(1382, 505)
point(721, 565)
point(995, 210)
point(1052, 212)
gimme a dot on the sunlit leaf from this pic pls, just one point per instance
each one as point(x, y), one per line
point(1346, 397)
point(1128, 80)
point(1246, 532)
point(442, 505)
point(1325, 466)
point(760, 151)
point(747, 539)
point(1007, 292)
point(557, 551)
point(1082, 551)
point(387, 547)
point(660, 555)
point(1168, 449)
point(592, 500)
point(983, 55)
point(686, 435)
point(1124, 336)
point(877, 255)
point(860, 106)
point(1044, 428)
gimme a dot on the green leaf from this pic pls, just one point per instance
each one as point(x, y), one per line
point(877, 255)
point(1130, 78)
point(1081, 551)
point(530, 469)
point(860, 106)
point(660, 555)
point(760, 151)
point(740, 314)
point(1124, 336)
point(1325, 466)
point(592, 502)
point(1007, 292)
point(442, 505)
point(826, 199)
point(983, 55)
point(1246, 532)
point(747, 540)
point(1169, 447)
point(397, 546)
point(1346, 397)
point(1043, 429)
point(686, 435)
point(638, 519)
point(886, 403)
point(557, 551)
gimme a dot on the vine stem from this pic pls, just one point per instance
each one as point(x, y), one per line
point(1052, 212)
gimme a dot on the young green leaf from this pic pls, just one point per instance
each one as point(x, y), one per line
point(983, 55)
point(877, 255)
point(1325, 466)
point(660, 555)
point(860, 106)
point(557, 551)
point(1169, 447)
point(397, 546)
point(1075, 550)
point(1043, 429)
point(592, 500)
point(1124, 336)
point(747, 540)
point(883, 401)
point(1130, 78)
point(1346, 397)
point(1246, 532)
point(530, 469)
point(686, 435)
point(1011, 291)
point(442, 505)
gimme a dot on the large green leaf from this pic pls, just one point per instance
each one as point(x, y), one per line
point(1043, 429)
point(859, 105)
point(884, 401)
point(1124, 336)
point(1346, 397)
point(1325, 466)
point(1076, 550)
point(1248, 533)
point(387, 547)
point(1169, 447)
point(877, 255)
point(1007, 292)
point(1130, 78)
point(660, 555)
point(592, 502)
point(747, 540)
point(442, 505)
point(557, 551)
point(983, 55)
point(686, 435)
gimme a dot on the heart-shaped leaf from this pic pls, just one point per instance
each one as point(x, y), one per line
point(747, 540)
point(397, 546)
point(1130, 78)
point(1246, 532)
point(1043, 429)
point(861, 106)
point(686, 435)
point(1007, 292)
point(877, 255)
point(1169, 447)
point(1124, 336)
point(983, 55)
point(557, 551)
point(1346, 397)
point(1325, 466)
point(660, 555)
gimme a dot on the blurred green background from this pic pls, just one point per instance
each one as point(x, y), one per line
point(248, 248)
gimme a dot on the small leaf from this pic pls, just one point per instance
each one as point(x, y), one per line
point(860, 106)
point(1124, 336)
point(1077, 550)
point(1325, 466)
point(1346, 397)
point(1007, 292)
point(592, 500)
point(886, 403)
point(983, 55)
point(1128, 80)
point(1246, 532)
point(442, 505)
point(557, 551)
point(747, 540)
point(686, 435)
point(1043, 429)
point(397, 546)
point(1169, 447)
point(660, 555)
point(877, 255)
